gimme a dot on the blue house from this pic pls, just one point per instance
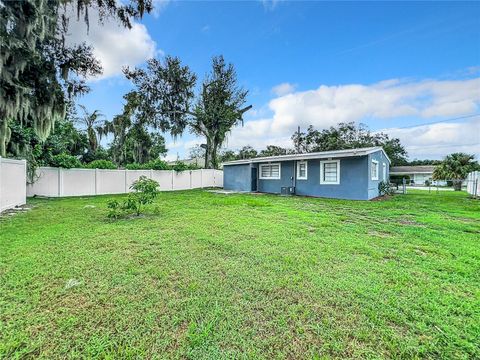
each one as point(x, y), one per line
point(343, 174)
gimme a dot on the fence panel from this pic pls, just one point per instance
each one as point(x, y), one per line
point(218, 178)
point(164, 179)
point(133, 175)
point(196, 179)
point(110, 182)
point(181, 180)
point(77, 182)
point(55, 182)
point(13, 179)
point(47, 183)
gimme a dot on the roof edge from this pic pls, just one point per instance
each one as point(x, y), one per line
point(315, 155)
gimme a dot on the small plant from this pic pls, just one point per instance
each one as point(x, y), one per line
point(384, 188)
point(114, 209)
point(144, 192)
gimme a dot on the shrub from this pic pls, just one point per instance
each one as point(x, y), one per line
point(144, 191)
point(134, 166)
point(101, 164)
point(181, 166)
point(114, 209)
point(66, 161)
point(161, 165)
point(384, 188)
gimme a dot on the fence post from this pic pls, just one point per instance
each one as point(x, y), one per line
point(173, 185)
point(126, 184)
point(60, 182)
point(96, 181)
point(190, 187)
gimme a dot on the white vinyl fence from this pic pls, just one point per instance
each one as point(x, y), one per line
point(57, 182)
point(13, 177)
point(473, 183)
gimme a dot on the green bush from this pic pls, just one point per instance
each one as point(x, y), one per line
point(161, 165)
point(114, 209)
point(157, 165)
point(65, 161)
point(181, 166)
point(134, 166)
point(384, 188)
point(144, 192)
point(101, 164)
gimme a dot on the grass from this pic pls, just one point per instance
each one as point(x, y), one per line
point(209, 276)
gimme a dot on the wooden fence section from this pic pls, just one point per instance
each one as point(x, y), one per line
point(57, 182)
point(13, 176)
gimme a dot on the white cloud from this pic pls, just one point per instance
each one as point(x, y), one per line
point(328, 105)
point(113, 45)
point(283, 89)
point(436, 140)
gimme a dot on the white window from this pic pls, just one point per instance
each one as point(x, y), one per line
point(374, 170)
point(330, 172)
point(270, 171)
point(384, 172)
point(302, 170)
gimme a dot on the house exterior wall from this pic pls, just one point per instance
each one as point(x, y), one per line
point(353, 180)
point(373, 184)
point(274, 186)
point(237, 177)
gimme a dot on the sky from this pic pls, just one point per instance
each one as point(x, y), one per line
point(410, 69)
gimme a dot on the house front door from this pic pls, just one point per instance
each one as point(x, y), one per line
point(254, 179)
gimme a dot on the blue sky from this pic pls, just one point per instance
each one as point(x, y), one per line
point(387, 64)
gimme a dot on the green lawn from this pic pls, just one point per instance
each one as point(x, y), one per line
point(242, 276)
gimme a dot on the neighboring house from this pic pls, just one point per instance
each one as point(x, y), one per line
point(198, 161)
point(343, 174)
point(417, 174)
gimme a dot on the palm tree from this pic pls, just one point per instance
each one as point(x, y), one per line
point(92, 122)
point(455, 167)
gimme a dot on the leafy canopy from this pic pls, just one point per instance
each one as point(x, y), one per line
point(166, 101)
point(348, 136)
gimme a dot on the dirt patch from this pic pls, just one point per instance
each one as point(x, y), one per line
point(15, 210)
point(382, 198)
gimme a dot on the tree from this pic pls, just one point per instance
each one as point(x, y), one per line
point(247, 152)
point(228, 155)
point(35, 63)
point(132, 143)
point(273, 150)
point(64, 138)
point(166, 97)
point(455, 167)
point(91, 121)
point(349, 136)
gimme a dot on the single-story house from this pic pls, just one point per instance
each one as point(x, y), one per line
point(417, 175)
point(343, 174)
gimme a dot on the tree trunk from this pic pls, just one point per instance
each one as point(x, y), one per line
point(457, 185)
point(214, 156)
point(206, 153)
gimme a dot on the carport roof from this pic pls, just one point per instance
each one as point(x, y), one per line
point(315, 155)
